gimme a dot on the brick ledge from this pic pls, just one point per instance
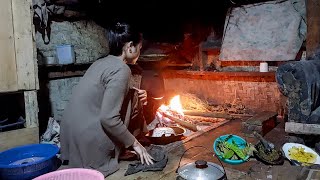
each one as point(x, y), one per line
point(220, 76)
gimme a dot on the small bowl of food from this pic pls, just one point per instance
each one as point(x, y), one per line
point(271, 157)
point(300, 153)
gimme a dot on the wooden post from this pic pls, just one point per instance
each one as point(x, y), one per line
point(31, 108)
point(313, 27)
point(24, 46)
point(8, 76)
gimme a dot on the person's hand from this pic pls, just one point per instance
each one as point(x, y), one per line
point(142, 153)
point(142, 94)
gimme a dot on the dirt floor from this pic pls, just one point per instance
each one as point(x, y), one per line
point(253, 169)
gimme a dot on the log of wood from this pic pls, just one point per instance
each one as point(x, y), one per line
point(201, 119)
point(185, 124)
point(215, 114)
point(207, 114)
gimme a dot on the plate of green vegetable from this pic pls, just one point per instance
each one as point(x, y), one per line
point(232, 149)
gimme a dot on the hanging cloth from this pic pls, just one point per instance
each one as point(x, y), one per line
point(42, 9)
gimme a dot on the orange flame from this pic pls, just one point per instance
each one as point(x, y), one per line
point(174, 106)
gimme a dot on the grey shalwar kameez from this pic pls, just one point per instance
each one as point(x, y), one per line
point(94, 124)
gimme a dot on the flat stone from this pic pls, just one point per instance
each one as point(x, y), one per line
point(302, 128)
point(262, 123)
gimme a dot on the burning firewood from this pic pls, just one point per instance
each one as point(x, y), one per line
point(185, 124)
point(173, 113)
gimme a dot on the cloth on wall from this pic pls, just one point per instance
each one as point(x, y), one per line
point(42, 10)
point(270, 31)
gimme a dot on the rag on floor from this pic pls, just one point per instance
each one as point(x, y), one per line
point(52, 133)
point(159, 163)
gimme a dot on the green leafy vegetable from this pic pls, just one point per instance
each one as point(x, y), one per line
point(232, 150)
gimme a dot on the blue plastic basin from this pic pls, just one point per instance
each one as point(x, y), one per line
point(27, 162)
point(238, 140)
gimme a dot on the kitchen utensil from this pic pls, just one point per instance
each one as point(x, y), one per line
point(267, 145)
point(162, 140)
point(28, 161)
point(163, 131)
point(295, 162)
point(72, 174)
point(200, 169)
point(287, 146)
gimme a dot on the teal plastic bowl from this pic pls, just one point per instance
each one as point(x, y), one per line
point(240, 141)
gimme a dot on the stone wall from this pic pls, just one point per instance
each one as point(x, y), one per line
point(89, 42)
point(256, 94)
point(59, 94)
point(88, 38)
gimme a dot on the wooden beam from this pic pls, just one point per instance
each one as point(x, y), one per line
point(31, 108)
point(301, 128)
point(63, 71)
point(18, 137)
point(68, 74)
point(313, 27)
point(24, 50)
point(250, 63)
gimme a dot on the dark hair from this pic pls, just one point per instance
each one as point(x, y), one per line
point(119, 34)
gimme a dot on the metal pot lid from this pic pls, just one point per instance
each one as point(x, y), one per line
point(201, 170)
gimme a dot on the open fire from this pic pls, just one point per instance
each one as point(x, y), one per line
point(172, 115)
point(174, 105)
point(173, 109)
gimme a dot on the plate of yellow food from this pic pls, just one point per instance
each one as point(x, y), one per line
point(300, 153)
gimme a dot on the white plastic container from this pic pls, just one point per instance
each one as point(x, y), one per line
point(264, 67)
point(65, 54)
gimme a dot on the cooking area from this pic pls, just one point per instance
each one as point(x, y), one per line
point(156, 90)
